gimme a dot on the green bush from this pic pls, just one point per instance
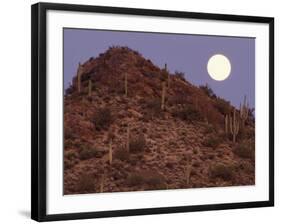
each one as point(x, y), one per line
point(151, 179)
point(220, 170)
point(70, 159)
point(88, 153)
point(209, 129)
point(137, 143)
point(180, 75)
point(178, 99)
point(122, 154)
point(154, 180)
point(188, 113)
point(86, 183)
point(208, 91)
point(102, 118)
point(154, 106)
point(223, 106)
point(135, 179)
point(212, 141)
point(245, 149)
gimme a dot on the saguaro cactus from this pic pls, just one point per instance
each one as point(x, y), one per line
point(244, 112)
point(90, 88)
point(79, 73)
point(164, 78)
point(110, 139)
point(163, 95)
point(234, 126)
point(168, 77)
point(226, 125)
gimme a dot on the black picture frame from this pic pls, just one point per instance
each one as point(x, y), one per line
point(39, 122)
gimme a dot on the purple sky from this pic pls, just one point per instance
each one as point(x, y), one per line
point(182, 52)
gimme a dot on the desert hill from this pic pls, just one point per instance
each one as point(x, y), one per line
point(130, 125)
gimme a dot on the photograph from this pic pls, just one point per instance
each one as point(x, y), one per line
point(147, 111)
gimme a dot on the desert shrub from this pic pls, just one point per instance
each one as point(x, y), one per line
point(135, 179)
point(86, 183)
point(246, 166)
point(220, 170)
point(222, 106)
point(71, 155)
point(88, 152)
point(70, 159)
point(154, 106)
point(188, 113)
point(245, 149)
point(122, 154)
point(69, 90)
point(137, 143)
point(212, 141)
point(67, 164)
point(69, 133)
point(154, 180)
point(208, 91)
point(180, 75)
point(178, 99)
point(246, 133)
point(209, 128)
point(102, 118)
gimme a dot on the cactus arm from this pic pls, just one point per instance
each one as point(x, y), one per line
point(226, 124)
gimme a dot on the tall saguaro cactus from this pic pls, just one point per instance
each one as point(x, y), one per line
point(79, 73)
point(110, 139)
point(226, 125)
point(163, 95)
point(244, 112)
point(164, 78)
point(234, 126)
point(168, 77)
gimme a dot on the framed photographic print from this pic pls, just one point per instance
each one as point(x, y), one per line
point(139, 111)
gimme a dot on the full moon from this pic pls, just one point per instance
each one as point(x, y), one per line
point(219, 67)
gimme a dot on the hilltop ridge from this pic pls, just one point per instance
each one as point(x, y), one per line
point(130, 125)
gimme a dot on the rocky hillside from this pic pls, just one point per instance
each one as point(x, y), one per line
point(130, 125)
